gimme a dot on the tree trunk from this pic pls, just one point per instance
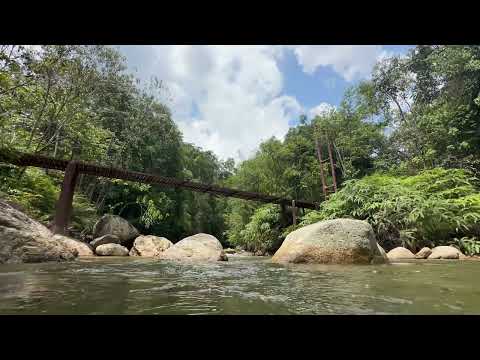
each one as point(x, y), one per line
point(402, 115)
point(332, 165)
point(322, 174)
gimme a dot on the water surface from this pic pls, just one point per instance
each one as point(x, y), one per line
point(243, 285)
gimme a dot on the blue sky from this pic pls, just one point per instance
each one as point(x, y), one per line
point(230, 98)
point(325, 85)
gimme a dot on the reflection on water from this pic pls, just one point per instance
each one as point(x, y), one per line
point(242, 285)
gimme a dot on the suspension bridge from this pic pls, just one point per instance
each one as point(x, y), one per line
point(73, 168)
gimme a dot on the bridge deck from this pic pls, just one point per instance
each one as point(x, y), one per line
point(22, 159)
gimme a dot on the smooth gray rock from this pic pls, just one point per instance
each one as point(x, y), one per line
point(115, 225)
point(111, 250)
point(445, 252)
point(199, 247)
point(337, 241)
point(82, 248)
point(105, 239)
point(149, 246)
point(24, 240)
point(400, 253)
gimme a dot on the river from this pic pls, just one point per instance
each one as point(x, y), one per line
point(243, 285)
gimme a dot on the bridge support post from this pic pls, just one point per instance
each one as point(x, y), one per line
point(284, 215)
point(64, 203)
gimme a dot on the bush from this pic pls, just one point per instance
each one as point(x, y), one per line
point(84, 216)
point(429, 209)
point(262, 233)
point(36, 193)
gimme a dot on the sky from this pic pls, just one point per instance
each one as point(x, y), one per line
point(228, 99)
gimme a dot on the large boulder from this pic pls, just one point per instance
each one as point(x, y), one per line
point(400, 253)
point(24, 240)
point(115, 225)
point(105, 239)
point(201, 247)
point(149, 245)
point(338, 241)
point(83, 249)
point(111, 250)
point(445, 252)
point(423, 253)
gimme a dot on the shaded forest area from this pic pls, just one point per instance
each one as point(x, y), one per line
point(406, 146)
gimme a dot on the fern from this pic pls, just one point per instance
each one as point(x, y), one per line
point(431, 208)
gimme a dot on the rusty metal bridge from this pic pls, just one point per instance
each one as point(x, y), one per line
point(74, 167)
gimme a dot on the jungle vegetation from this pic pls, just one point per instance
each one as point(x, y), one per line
point(406, 146)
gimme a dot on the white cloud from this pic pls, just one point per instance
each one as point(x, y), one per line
point(320, 109)
point(226, 98)
point(230, 98)
point(352, 62)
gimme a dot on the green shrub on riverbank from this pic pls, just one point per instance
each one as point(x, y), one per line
point(33, 191)
point(262, 233)
point(429, 209)
point(36, 193)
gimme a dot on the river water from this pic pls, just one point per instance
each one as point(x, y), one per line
point(243, 285)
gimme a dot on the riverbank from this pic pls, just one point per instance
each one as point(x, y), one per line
point(336, 241)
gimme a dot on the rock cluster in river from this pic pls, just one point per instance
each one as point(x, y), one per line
point(105, 239)
point(337, 241)
point(199, 247)
point(23, 239)
point(114, 234)
point(115, 225)
point(439, 252)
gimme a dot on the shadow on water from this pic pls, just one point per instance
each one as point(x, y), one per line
point(248, 285)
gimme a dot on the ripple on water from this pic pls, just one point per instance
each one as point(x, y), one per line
point(239, 286)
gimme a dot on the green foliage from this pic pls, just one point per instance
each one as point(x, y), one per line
point(137, 203)
point(84, 216)
point(467, 245)
point(77, 102)
point(417, 112)
point(413, 211)
point(36, 193)
point(262, 233)
point(433, 94)
point(237, 216)
point(356, 138)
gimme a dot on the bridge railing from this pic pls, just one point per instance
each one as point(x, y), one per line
point(74, 167)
